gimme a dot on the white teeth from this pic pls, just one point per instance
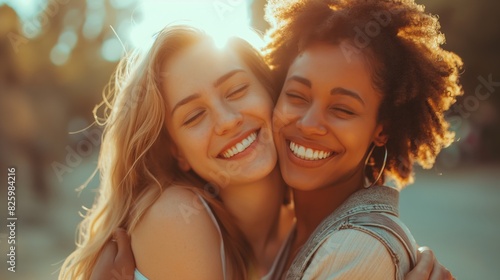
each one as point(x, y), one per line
point(301, 151)
point(240, 147)
point(308, 153)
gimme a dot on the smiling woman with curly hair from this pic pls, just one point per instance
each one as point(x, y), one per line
point(402, 44)
point(365, 84)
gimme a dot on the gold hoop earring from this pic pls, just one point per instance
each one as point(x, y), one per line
point(371, 162)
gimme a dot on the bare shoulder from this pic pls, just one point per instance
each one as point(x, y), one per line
point(176, 238)
point(178, 209)
point(179, 204)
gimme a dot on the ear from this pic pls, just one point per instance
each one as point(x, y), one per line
point(380, 137)
point(181, 159)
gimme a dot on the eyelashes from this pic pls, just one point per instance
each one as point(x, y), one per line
point(192, 119)
point(234, 94)
point(296, 98)
point(339, 111)
point(237, 92)
point(343, 111)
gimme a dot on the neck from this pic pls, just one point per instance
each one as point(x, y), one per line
point(312, 207)
point(256, 209)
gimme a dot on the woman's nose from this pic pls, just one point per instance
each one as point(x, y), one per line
point(228, 118)
point(312, 122)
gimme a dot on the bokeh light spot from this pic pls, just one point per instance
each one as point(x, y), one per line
point(60, 54)
point(111, 49)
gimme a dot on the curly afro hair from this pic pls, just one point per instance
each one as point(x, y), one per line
point(402, 43)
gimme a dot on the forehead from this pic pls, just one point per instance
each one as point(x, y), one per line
point(199, 66)
point(328, 66)
point(335, 61)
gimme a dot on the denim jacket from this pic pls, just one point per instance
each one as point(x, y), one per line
point(373, 211)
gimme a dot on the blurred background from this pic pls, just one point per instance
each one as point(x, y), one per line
point(56, 57)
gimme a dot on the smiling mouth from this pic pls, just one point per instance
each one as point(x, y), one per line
point(309, 153)
point(240, 147)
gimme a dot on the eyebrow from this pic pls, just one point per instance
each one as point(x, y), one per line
point(301, 80)
point(226, 76)
point(334, 91)
point(343, 91)
point(217, 83)
point(185, 101)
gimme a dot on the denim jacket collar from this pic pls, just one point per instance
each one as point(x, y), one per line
point(374, 199)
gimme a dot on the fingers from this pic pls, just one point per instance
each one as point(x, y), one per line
point(424, 267)
point(104, 264)
point(124, 265)
point(125, 255)
point(439, 272)
point(426, 262)
point(108, 253)
point(428, 267)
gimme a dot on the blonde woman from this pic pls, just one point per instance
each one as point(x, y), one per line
point(188, 164)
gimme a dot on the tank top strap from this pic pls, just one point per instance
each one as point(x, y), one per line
point(216, 223)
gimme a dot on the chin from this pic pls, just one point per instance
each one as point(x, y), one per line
point(296, 181)
point(258, 169)
point(268, 165)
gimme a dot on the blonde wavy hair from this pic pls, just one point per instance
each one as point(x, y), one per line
point(135, 165)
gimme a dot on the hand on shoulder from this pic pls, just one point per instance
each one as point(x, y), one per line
point(115, 258)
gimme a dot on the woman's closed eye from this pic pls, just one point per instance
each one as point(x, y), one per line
point(237, 91)
point(296, 98)
point(192, 118)
point(343, 112)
